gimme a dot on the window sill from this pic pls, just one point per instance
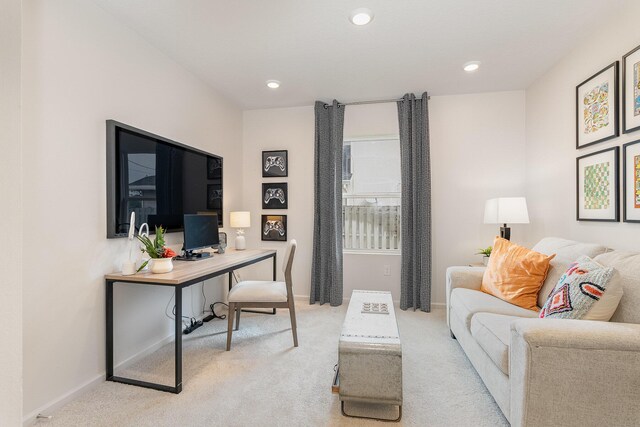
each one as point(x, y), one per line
point(370, 252)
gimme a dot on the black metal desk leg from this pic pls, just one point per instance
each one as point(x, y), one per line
point(178, 333)
point(109, 343)
point(275, 267)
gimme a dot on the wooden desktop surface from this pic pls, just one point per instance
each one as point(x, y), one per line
point(184, 271)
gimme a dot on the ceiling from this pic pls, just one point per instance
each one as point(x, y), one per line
point(313, 49)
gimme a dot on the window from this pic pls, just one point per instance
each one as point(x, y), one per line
point(371, 194)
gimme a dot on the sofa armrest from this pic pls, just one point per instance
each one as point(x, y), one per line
point(462, 277)
point(578, 371)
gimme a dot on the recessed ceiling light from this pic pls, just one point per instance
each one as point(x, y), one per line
point(273, 84)
point(361, 16)
point(471, 66)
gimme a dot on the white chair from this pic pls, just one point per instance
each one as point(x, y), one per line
point(264, 294)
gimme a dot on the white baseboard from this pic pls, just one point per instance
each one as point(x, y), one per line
point(56, 404)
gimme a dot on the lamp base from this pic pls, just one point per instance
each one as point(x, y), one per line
point(241, 243)
point(505, 232)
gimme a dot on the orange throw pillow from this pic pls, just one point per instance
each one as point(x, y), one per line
point(515, 274)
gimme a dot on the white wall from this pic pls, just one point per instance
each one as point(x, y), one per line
point(81, 67)
point(550, 148)
point(477, 152)
point(290, 129)
point(11, 207)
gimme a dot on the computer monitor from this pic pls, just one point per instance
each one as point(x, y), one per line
point(200, 231)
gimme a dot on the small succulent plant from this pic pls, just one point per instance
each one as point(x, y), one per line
point(486, 251)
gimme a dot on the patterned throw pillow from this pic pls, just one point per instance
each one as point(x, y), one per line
point(581, 289)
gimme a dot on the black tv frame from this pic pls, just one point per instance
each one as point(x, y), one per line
point(112, 125)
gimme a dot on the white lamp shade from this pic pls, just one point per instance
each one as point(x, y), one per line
point(506, 210)
point(240, 219)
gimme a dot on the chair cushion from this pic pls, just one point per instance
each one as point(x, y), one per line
point(258, 291)
point(492, 332)
point(467, 302)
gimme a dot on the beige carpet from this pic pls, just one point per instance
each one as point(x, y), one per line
point(264, 380)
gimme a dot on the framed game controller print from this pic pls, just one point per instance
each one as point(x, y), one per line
point(275, 164)
point(274, 195)
point(274, 228)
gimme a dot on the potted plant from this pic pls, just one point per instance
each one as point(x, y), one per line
point(486, 253)
point(161, 257)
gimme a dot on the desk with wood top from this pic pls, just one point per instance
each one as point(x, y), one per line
point(184, 274)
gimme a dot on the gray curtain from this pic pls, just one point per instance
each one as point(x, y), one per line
point(326, 272)
point(415, 277)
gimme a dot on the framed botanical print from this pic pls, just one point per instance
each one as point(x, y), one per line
point(597, 107)
point(631, 91)
point(597, 183)
point(275, 195)
point(274, 228)
point(631, 181)
point(275, 164)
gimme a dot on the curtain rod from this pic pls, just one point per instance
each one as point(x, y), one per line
point(379, 101)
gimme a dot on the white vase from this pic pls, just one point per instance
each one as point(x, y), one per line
point(485, 260)
point(161, 265)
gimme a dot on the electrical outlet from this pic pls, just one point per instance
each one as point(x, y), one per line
point(387, 270)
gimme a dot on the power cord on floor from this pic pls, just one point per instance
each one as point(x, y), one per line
point(213, 311)
point(212, 306)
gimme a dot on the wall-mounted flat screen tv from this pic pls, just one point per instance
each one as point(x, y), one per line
point(158, 179)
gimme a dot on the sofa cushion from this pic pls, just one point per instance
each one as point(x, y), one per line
point(492, 332)
point(628, 266)
point(567, 251)
point(467, 302)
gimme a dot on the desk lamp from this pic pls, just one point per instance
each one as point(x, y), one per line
point(240, 220)
point(505, 210)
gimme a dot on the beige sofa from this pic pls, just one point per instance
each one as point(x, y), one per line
point(553, 371)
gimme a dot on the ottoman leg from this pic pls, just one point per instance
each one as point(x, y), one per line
point(372, 418)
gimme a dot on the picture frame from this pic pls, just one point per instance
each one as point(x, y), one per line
point(597, 107)
point(597, 186)
point(275, 195)
point(222, 245)
point(631, 181)
point(631, 91)
point(274, 228)
point(275, 164)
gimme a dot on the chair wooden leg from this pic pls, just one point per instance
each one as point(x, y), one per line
point(292, 314)
point(232, 307)
point(238, 310)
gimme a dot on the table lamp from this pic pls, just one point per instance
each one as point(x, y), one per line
point(503, 210)
point(240, 220)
